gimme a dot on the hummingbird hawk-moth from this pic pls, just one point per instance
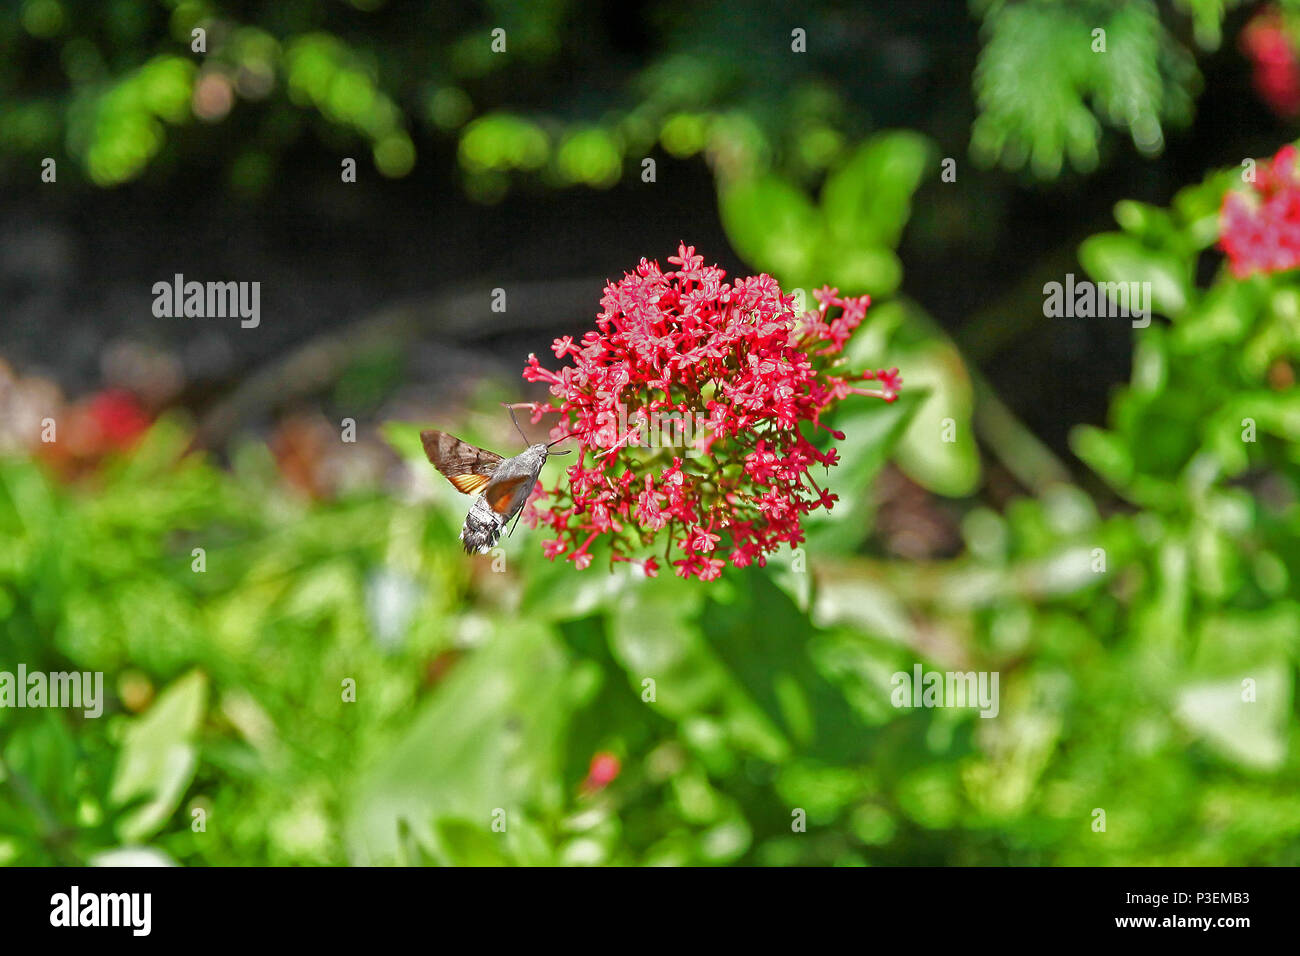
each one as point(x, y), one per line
point(502, 485)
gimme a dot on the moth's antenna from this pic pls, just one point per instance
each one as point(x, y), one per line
point(511, 409)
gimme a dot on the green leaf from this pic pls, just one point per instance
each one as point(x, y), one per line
point(947, 467)
point(1116, 257)
point(468, 844)
point(711, 666)
point(1198, 206)
point(1207, 19)
point(774, 666)
point(867, 202)
point(158, 757)
point(1252, 733)
point(656, 633)
point(856, 268)
point(872, 431)
point(44, 750)
point(1146, 222)
point(1225, 314)
point(1105, 453)
point(772, 225)
point(489, 739)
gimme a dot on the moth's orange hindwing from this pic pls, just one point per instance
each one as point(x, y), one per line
point(503, 493)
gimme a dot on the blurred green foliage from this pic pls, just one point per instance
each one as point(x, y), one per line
point(1051, 74)
point(1123, 619)
point(562, 95)
point(113, 85)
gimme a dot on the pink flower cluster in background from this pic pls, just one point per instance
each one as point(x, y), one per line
point(1259, 228)
point(739, 360)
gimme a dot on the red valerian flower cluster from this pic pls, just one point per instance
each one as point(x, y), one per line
point(1259, 228)
point(716, 379)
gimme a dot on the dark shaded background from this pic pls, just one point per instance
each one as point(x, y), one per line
point(77, 262)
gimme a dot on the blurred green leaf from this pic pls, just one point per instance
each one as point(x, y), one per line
point(938, 449)
point(772, 225)
point(1252, 733)
point(158, 757)
point(487, 743)
point(1116, 257)
point(867, 201)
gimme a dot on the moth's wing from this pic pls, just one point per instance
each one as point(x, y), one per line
point(501, 494)
point(466, 466)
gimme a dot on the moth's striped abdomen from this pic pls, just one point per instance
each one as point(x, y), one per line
point(482, 527)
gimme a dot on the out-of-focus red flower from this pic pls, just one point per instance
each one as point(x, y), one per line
point(1268, 43)
point(604, 770)
point(743, 370)
point(120, 417)
point(1259, 228)
point(107, 422)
